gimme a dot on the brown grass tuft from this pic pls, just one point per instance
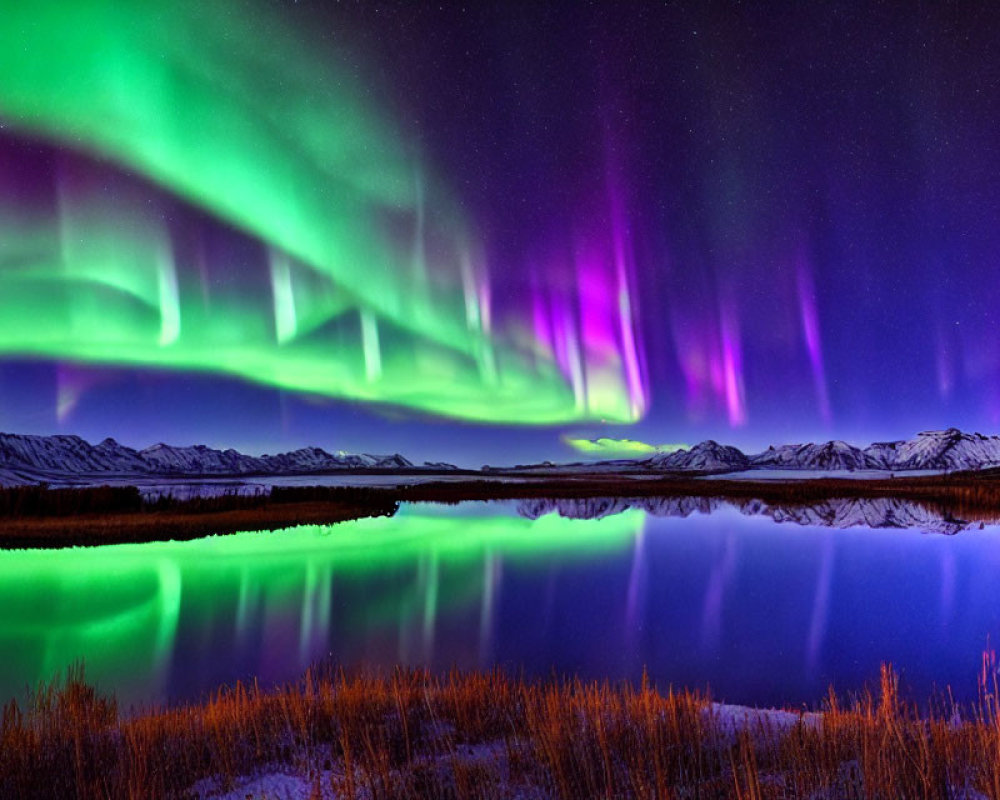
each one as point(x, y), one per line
point(484, 735)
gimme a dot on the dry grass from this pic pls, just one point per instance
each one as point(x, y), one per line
point(37, 516)
point(98, 529)
point(484, 735)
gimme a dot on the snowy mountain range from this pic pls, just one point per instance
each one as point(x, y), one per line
point(25, 458)
point(30, 456)
point(949, 449)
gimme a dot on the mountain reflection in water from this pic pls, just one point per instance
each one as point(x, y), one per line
point(878, 512)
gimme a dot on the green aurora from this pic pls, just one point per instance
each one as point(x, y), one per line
point(624, 448)
point(378, 291)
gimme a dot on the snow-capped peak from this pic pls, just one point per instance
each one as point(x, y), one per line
point(828, 455)
point(948, 449)
point(707, 455)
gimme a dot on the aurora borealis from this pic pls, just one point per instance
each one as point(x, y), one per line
point(475, 234)
point(309, 173)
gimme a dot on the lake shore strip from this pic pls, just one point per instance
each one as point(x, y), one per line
point(410, 733)
point(36, 516)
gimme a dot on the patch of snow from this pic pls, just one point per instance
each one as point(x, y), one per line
point(732, 718)
point(267, 786)
point(281, 784)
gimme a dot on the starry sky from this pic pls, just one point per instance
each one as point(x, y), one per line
point(473, 234)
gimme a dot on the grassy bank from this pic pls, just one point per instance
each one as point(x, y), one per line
point(475, 735)
point(37, 516)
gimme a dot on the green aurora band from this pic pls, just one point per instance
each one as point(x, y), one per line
point(379, 291)
point(121, 608)
point(626, 448)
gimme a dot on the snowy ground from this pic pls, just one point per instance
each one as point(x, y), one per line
point(284, 784)
point(329, 784)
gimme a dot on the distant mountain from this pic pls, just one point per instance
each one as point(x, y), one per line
point(34, 457)
point(164, 459)
point(708, 456)
point(830, 455)
point(948, 449)
point(26, 458)
point(882, 454)
point(63, 453)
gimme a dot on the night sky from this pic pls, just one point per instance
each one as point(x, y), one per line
point(466, 233)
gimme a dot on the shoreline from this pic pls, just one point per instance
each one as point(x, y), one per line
point(34, 518)
point(40, 517)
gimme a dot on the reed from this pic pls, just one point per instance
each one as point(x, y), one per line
point(483, 735)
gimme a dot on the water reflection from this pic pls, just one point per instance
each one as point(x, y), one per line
point(878, 512)
point(764, 613)
point(169, 620)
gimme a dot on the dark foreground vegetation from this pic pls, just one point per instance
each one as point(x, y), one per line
point(476, 735)
point(39, 516)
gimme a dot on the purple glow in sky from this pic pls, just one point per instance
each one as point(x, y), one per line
point(758, 225)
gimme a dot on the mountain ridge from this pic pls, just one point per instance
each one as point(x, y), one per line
point(947, 450)
point(30, 457)
point(69, 454)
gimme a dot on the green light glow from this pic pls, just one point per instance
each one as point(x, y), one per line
point(122, 608)
point(374, 292)
point(627, 448)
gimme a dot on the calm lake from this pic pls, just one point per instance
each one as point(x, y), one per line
point(765, 611)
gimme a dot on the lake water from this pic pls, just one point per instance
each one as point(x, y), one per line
point(765, 612)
